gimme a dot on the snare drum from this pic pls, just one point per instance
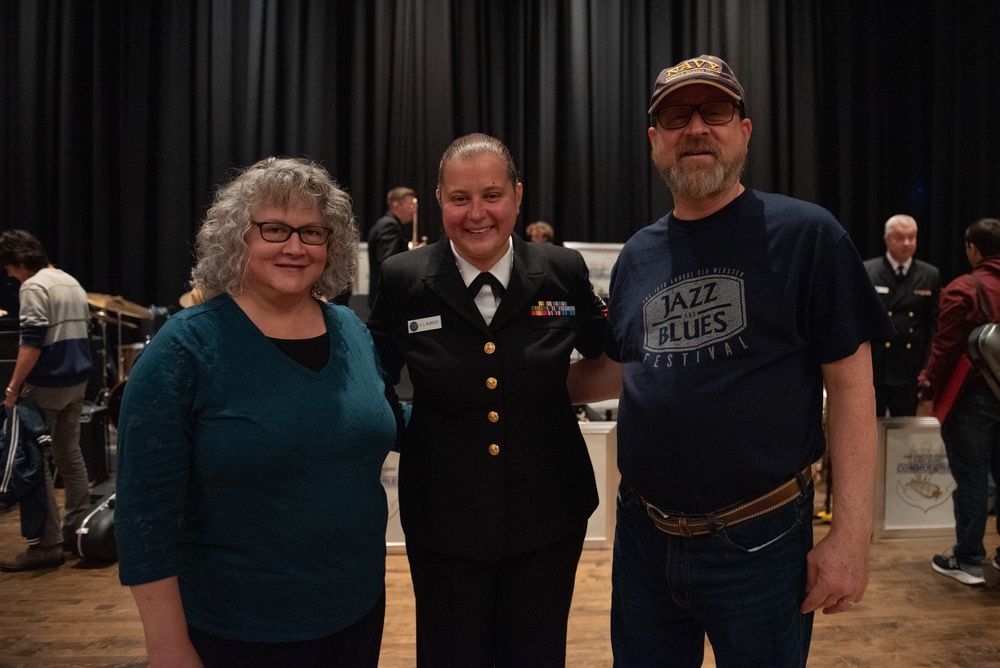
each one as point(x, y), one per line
point(129, 352)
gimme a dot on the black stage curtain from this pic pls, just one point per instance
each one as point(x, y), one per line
point(118, 118)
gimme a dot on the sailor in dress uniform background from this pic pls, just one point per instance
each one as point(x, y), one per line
point(909, 288)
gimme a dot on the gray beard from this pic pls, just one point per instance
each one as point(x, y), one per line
point(700, 184)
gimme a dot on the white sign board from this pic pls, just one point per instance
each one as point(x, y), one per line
point(913, 483)
point(600, 258)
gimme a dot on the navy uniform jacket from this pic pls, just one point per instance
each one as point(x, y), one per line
point(493, 462)
point(912, 306)
point(385, 239)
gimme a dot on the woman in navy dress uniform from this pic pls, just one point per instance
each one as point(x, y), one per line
point(495, 482)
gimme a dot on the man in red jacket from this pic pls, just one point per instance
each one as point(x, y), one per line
point(971, 432)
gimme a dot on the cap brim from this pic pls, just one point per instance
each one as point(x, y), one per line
point(670, 90)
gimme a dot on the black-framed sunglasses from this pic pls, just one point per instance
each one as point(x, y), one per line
point(276, 233)
point(677, 116)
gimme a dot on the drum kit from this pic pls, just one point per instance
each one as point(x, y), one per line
point(114, 310)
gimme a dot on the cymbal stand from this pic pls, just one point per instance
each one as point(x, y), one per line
point(121, 356)
point(107, 419)
point(104, 354)
point(105, 390)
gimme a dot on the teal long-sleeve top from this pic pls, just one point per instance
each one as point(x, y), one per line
point(254, 479)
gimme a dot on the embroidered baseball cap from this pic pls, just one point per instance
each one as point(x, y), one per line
point(704, 69)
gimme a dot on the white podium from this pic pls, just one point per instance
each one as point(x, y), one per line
point(602, 444)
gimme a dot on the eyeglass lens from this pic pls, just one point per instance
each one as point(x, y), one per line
point(676, 116)
point(312, 235)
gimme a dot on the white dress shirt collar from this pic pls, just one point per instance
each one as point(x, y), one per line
point(501, 269)
point(895, 265)
point(486, 302)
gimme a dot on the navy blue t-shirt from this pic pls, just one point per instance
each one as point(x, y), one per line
point(721, 325)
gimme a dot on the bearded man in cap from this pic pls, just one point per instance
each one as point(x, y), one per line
point(728, 317)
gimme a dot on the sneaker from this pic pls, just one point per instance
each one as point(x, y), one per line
point(34, 557)
point(964, 573)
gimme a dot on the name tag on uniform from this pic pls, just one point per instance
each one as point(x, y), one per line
point(922, 293)
point(424, 324)
point(882, 289)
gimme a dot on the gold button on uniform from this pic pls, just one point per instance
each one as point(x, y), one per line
point(888, 345)
point(489, 348)
point(890, 314)
point(908, 346)
point(911, 314)
point(494, 449)
point(491, 383)
point(493, 416)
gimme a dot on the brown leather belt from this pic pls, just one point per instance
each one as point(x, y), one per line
point(702, 525)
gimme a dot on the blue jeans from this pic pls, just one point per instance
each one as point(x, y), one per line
point(971, 435)
point(741, 586)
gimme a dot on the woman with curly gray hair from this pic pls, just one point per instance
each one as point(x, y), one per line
point(222, 250)
point(250, 517)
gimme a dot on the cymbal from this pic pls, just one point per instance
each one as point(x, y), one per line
point(117, 304)
point(102, 316)
point(191, 297)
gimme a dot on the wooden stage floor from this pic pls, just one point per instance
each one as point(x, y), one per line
point(80, 616)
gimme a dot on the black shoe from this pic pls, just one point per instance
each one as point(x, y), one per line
point(33, 558)
point(964, 573)
point(996, 561)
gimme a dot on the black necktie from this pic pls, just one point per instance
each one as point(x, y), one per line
point(486, 278)
point(900, 273)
